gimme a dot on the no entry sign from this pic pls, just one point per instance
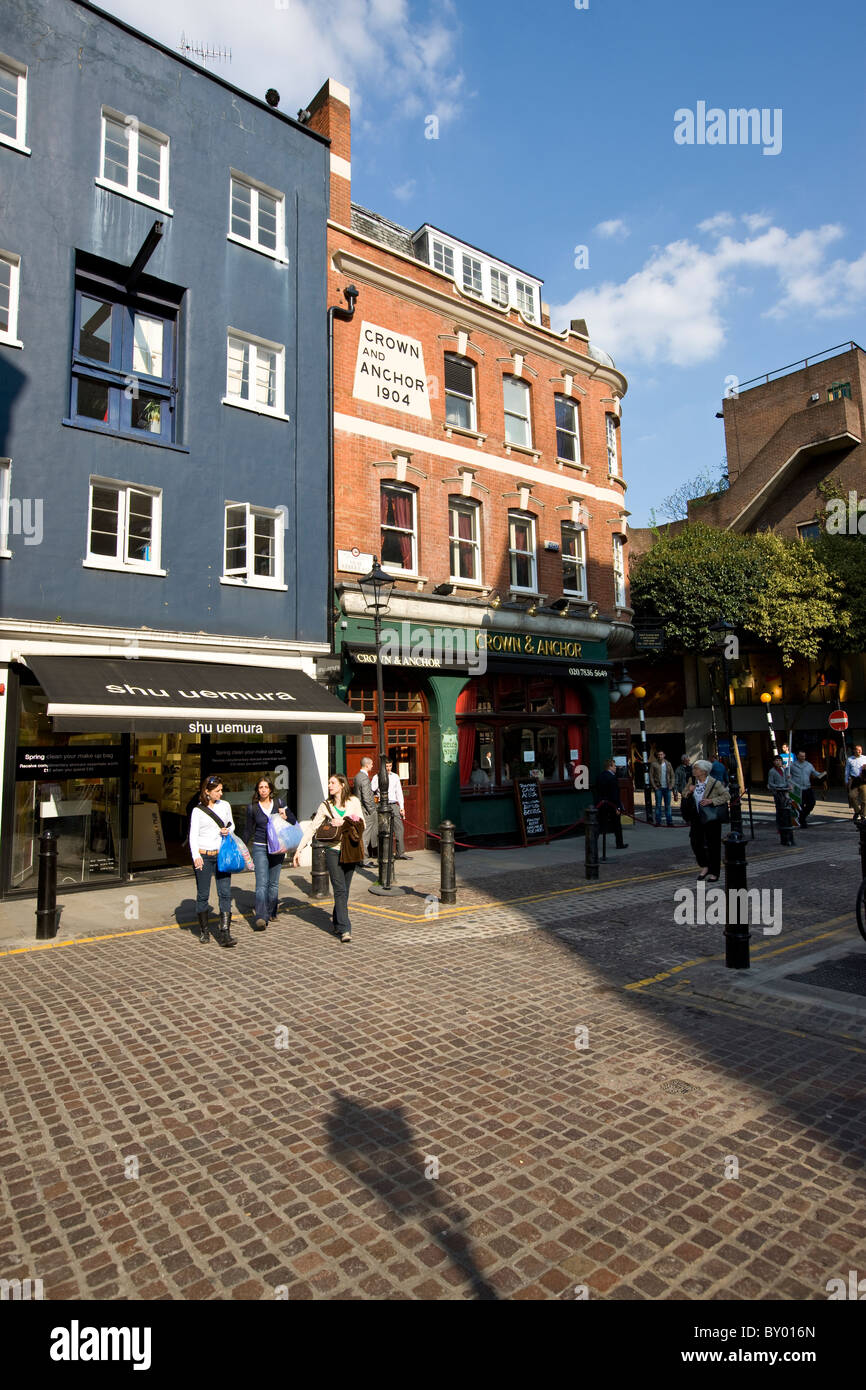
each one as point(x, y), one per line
point(839, 721)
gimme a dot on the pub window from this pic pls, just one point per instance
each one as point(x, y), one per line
point(463, 519)
point(124, 527)
point(573, 560)
point(459, 392)
point(518, 429)
point(567, 430)
point(254, 546)
point(521, 551)
point(399, 528)
point(518, 726)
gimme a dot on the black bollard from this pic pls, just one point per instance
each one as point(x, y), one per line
point(862, 828)
point(590, 816)
point(786, 829)
point(46, 892)
point(737, 934)
point(447, 875)
point(321, 877)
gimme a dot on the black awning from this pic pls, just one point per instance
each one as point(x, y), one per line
point(136, 695)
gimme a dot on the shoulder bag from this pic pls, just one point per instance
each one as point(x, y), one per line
point(710, 815)
point(328, 834)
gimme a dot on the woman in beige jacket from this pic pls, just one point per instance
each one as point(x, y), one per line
point(705, 835)
point(340, 806)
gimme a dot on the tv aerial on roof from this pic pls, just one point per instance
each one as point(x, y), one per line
point(203, 52)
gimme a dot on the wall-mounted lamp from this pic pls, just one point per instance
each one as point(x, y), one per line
point(494, 601)
point(561, 606)
point(593, 610)
point(532, 609)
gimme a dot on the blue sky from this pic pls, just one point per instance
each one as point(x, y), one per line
point(556, 130)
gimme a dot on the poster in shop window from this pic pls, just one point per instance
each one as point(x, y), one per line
point(531, 815)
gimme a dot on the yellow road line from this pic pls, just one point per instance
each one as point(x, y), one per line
point(763, 948)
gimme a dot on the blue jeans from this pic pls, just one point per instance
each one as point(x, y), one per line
point(203, 878)
point(341, 881)
point(268, 868)
point(663, 795)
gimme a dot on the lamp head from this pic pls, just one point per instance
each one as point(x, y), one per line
point(376, 588)
point(640, 692)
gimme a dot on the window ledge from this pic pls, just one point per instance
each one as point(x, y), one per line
point(133, 436)
point(10, 144)
point(464, 434)
point(5, 554)
point(254, 409)
point(237, 583)
point(570, 463)
point(133, 196)
point(615, 478)
point(468, 584)
point(6, 341)
point(527, 593)
point(279, 256)
point(522, 449)
point(117, 567)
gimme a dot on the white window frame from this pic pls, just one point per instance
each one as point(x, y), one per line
point(118, 564)
point(250, 580)
point(130, 189)
point(467, 507)
point(513, 552)
point(10, 336)
point(507, 414)
point(276, 413)
point(473, 413)
point(612, 452)
point(280, 253)
point(473, 282)
point(413, 493)
point(575, 433)
point(18, 70)
point(526, 295)
point(497, 275)
point(5, 498)
point(570, 528)
point(447, 251)
point(619, 571)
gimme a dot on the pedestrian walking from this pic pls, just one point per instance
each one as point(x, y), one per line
point(855, 782)
point(209, 824)
point(364, 792)
point(339, 824)
point(266, 803)
point(610, 807)
point(682, 774)
point(395, 798)
point(787, 757)
point(705, 804)
point(780, 786)
point(661, 774)
point(801, 774)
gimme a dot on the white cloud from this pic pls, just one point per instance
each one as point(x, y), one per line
point(614, 228)
point(720, 223)
point(404, 192)
point(757, 221)
point(381, 49)
point(672, 309)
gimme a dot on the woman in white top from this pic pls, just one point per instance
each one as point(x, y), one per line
point(205, 838)
point(339, 807)
point(705, 836)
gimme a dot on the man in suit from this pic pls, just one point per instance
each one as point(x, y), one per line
point(609, 803)
point(364, 792)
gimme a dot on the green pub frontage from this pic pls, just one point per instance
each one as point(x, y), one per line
point(470, 712)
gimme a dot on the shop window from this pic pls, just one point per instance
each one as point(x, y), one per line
point(521, 551)
point(134, 160)
point(257, 216)
point(459, 392)
point(518, 726)
point(567, 430)
point(482, 770)
point(124, 376)
point(573, 560)
point(254, 546)
point(465, 546)
point(399, 535)
point(13, 104)
point(518, 429)
point(124, 527)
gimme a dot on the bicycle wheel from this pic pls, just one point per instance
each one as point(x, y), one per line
point(861, 909)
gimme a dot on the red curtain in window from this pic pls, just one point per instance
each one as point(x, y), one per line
point(399, 504)
point(467, 703)
point(574, 705)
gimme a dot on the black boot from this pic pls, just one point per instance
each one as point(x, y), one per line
point(204, 929)
point(223, 933)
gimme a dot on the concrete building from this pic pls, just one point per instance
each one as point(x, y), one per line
point(164, 576)
point(478, 456)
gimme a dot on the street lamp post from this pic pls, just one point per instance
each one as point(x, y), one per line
point(766, 700)
point(640, 693)
point(376, 589)
point(737, 930)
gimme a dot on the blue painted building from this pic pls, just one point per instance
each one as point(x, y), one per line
point(164, 549)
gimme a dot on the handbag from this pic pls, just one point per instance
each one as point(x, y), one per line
point(328, 834)
point(710, 815)
point(352, 844)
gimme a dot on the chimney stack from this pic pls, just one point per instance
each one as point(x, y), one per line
point(330, 115)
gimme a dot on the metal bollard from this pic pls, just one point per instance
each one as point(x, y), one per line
point(46, 892)
point(321, 877)
point(737, 934)
point(862, 828)
point(591, 821)
point(786, 829)
point(447, 875)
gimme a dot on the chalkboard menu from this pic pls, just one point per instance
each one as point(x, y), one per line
point(531, 816)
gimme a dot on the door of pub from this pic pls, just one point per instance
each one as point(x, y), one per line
point(406, 742)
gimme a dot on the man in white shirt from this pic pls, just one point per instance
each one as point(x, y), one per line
point(395, 798)
point(802, 773)
point(854, 771)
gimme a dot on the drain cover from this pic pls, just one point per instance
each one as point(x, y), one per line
point(678, 1088)
point(847, 974)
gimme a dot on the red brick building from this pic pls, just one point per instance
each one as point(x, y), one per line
point(477, 454)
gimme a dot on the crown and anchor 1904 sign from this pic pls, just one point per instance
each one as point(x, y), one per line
point(390, 371)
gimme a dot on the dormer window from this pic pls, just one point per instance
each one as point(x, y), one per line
point(472, 275)
point(443, 258)
point(498, 286)
point(526, 299)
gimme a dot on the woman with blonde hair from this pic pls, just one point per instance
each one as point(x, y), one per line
point(339, 824)
point(704, 805)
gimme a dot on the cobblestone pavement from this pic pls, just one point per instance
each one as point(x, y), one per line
point(553, 1091)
